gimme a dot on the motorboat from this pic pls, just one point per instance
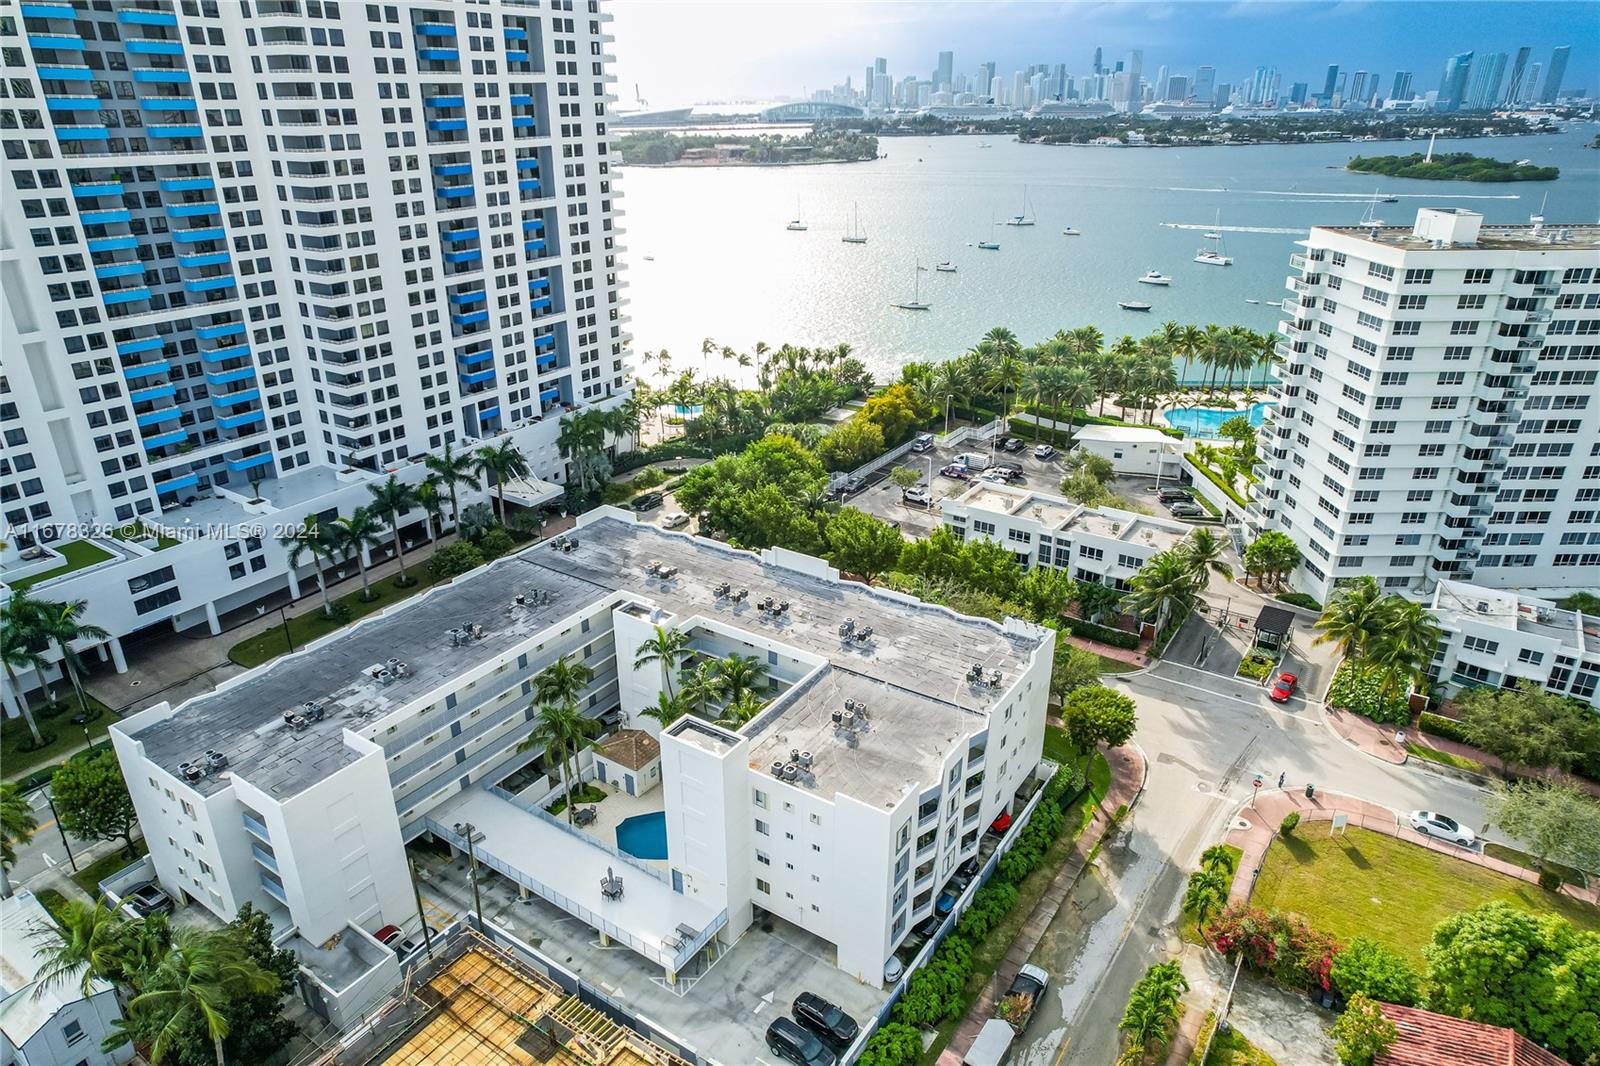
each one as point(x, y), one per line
point(1212, 257)
point(1155, 277)
point(1133, 305)
point(1072, 231)
point(945, 267)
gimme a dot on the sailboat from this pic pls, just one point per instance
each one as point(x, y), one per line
point(989, 246)
point(798, 225)
point(855, 235)
point(1213, 256)
point(946, 267)
point(1026, 218)
point(915, 303)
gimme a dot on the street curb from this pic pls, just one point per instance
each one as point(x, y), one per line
point(1439, 769)
point(1328, 725)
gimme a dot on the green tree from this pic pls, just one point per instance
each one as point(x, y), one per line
point(740, 709)
point(1239, 430)
point(196, 983)
point(667, 709)
point(1529, 726)
point(1403, 650)
point(1046, 591)
point(1271, 556)
point(499, 465)
point(1081, 486)
point(17, 826)
point(1219, 857)
point(1206, 893)
point(1353, 618)
point(849, 445)
point(904, 477)
point(1094, 599)
point(455, 559)
point(1154, 1005)
point(1072, 668)
point(1586, 602)
point(862, 544)
point(312, 540)
point(893, 1044)
point(392, 498)
point(1366, 967)
point(475, 521)
point(667, 648)
point(563, 681)
point(92, 800)
point(1556, 821)
point(1098, 715)
point(257, 1028)
point(62, 623)
point(560, 728)
point(22, 643)
point(430, 497)
point(742, 674)
point(1202, 552)
point(86, 942)
point(581, 441)
point(1164, 586)
point(451, 470)
point(895, 410)
point(1097, 467)
point(1362, 1033)
point(353, 536)
point(702, 685)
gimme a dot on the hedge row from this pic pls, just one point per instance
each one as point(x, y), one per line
point(1082, 418)
point(1300, 599)
point(1117, 638)
point(1215, 478)
point(1440, 726)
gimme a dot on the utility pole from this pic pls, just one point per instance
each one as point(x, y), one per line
point(416, 890)
point(472, 864)
point(59, 828)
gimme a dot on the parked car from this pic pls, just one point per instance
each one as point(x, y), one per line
point(1030, 982)
point(1283, 688)
point(918, 495)
point(923, 442)
point(648, 501)
point(946, 901)
point(893, 970)
point(1180, 509)
point(1010, 472)
point(1044, 451)
point(1014, 444)
point(957, 471)
point(1433, 824)
point(854, 485)
point(148, 899)
point(836, 1028)
point(1172, 494)
point(787, 1040)
point(408, 946)
point(388, 935)
point(1001, 823)
point(674, 520)
point(992, 1045)
point(973, 460)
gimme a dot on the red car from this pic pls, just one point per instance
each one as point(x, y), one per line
point(1283, 688)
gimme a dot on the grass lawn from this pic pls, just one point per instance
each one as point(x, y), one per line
point(1526, 861)
point(1114, 666)
point(52, 901)
point(311, 623)
point(585, 793)
point(14, 734)
point(77, 553)
point(1231, 1049)
point(1445, 758)
point(89, 877)
point(1387, 888)
point(136, 531)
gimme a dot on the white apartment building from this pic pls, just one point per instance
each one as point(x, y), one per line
point(895, 734)
point(1437, 414)
point(61, 1024)
point(1136, 450)
point(255, 254)
point(1100, 544)
point(1497, 638)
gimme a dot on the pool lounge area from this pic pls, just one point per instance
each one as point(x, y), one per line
point(1206, 421)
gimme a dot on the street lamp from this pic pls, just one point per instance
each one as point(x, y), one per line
point(59, 828)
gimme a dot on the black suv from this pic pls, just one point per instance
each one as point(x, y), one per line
point(1171, 495)
point(787, 1040)
point(648, 501)
point(836, 1028)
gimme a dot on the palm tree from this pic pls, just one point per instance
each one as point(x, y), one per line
point(1073, 390)
point(17, 825)
point(582, 441)
point(431, 500)
point(563, 681)
point(61, 623)
point(668, 648)
point(1005, 376)
point(1217, 857)
point(452, 470)
point(1190, 344)
point(1354, 617)
point(22, 643)
point(667, 709)
point(561, 729)
point(1404, 647)
point(501, 464)
point(390, 498)
point(311, 539)
point(1002, 341)
point(947, 384)
point(354, 535)
point(203, 974)
point(1164, 585)
point(742, 674)
point(740, 710)
point(1207, 892)
point(703, 684)
point(86, 941)
point(1155, 1005)
point(476, 520)
point(1105, 370)
point(1202, 551)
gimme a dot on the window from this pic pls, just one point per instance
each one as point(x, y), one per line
point(1478, 276)
point(760, 799)
point(1419, 277)
point(763, 858)
point(1481, 645)
point(1528, 655)
point(72, 1032)
point(762, 828)
point(1378, 270)
point(764, 887)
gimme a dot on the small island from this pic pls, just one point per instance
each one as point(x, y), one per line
point(665, 149)
point(1455, 166)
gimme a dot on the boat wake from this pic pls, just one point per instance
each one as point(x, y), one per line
point(1368, 195)
point(1231, 229)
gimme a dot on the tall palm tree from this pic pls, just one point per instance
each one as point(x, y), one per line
point(582, 442)
point(17, 826)
point(1207, 892)
point(1105, 370)
point(703, 684)
point(453, 470)
point(1202, 552)
point(204, 973)
point(1073, 390)
point(740, 710)
point(1190, 344)
point(501, 464)
point(22, 644)
point(86, 942)
point(667, 709)
point(1003, 342)
point(1163, 586)
point(947, 381)
point(560, 728)
point(311, 539)
point(1405, 645)
point(667, 648)
point(741, 674)
point(1353, 618)
point(63, 624)
point(1154, 1006)
point(563, 681)
point(431, 499)
point(353, 536)
point(390, 498)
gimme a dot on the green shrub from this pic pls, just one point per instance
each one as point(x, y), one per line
point(1440, 726)
point(496, 543)
point(1550, 880)
point(1201, 1038)
point(1368, 967)
point(1300, 599)
point(1359, 689)
point(649, 478)
point(1290, 820)
point(893, 1044)
point(454, 559)
point(1216, 479)
point(1117, 638)
point(1254, 668)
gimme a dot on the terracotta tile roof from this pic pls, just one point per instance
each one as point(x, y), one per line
point(1428, 1039)
point(632, 748)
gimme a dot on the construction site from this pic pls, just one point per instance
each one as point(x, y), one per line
point(476, 1004)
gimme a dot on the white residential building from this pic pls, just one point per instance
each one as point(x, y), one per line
point(1136, 450)
point(56, 1025)
point(271, 251)
point(1100, 544)
point(1497, 638)
point(1437, 413)
point(895, 734)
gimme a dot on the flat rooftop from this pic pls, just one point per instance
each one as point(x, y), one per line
point(1065, 516)
point(917, 647)
point(1551, 237)
point(1507, 610)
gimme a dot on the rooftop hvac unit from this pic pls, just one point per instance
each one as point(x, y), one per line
point(1544, 614)
point(721, 589)
point(741, 595)
point(294, 721)
point(1483, 606)
point(838, 718)
point(520, 600)
point(312, 711)
point(804, 759)
point(863, 634)
point(190, 771)
point(847, 627)
point(791, 772)
point(215, 761)
point(667, 572)
point(777, 768)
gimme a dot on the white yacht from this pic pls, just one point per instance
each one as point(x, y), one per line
point(798, 225)
point(1155, 277)
point(1214, 255)
point(855, 234)
point(915, 303)
point(1072, 231)
point(1026, 218)
point(945, 267)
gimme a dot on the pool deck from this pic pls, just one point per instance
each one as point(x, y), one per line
point(617, 808)
point(1205, 429)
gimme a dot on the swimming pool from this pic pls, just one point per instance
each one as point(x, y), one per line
point(1204, 421)
point(644, 836)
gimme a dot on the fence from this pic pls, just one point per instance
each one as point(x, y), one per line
point(593, 841)
point(959, 435)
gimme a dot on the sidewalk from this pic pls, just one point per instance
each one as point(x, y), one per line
point(1271, 806)
point(1498, 765)
point(1366, 735)
point(1128, 769)
point(1122, 655)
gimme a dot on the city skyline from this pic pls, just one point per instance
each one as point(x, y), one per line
point(737, 55)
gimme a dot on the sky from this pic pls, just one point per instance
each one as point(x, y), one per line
point(697, 51)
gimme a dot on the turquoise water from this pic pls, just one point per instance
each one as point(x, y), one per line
point(644, 836)
point(1204, 421)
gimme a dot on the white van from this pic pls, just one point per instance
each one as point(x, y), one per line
point(923, 442)
point(973, 460)
point(990, 1048)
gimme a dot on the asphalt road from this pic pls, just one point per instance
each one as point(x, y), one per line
point(1206, 737)
point(45, 852)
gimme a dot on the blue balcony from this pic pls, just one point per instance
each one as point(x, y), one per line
point(113, 244)
point(57, 72)
point(452, 170)
point(150, 46)
point(274, 889)
point(436, 29)
point(90, 189)
point(549, 392)
point(82, 133)
point(456, 192)
point(223, 377)
point(73, 103)
point(125, 296)
point(222, 355)
point(470, 358)
point(255, 826)
point(209, 207)
point(119, 270)
point(159, 76)
point(137, 17)
point(544, 339)
point(468, 234)
point(260, 854)
point(544, 360)
point(204, 259)
point(447, 125)
point(184, 481)
point(521, 100)
point(516, 55)
point(467, 255)
point(533, 246)
point(161, 440)
point(167, 103)
point(443, 55)
point(472, 297)
point(469, 318)
point(195, 236)
point(224, 281)
point(186, 184)
point(478, 376)
point(49, 11)
point(489, 412)
point(235, 421)
point(532, 224)
point(247, 463)
point(211, 333)
point(109, 216)
point(528, 184)
point(234, 399)
point(541, 304)
point(516, 33)
point(174, 132)
point(522, 122)
point(527, 164)
point(60, 42)
point(538, 284)
point(143, 344)
point(152, 393)
point(444, 101)
point(152, 418)
point(145, 370)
